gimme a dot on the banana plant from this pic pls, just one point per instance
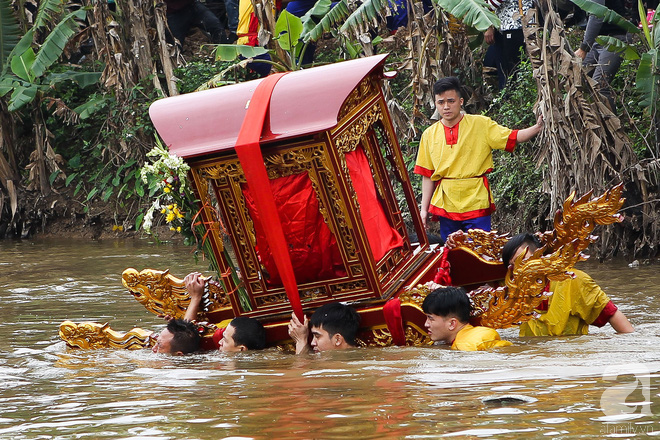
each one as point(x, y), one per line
point(24, 73)
point(648, 73)
point(288, 31)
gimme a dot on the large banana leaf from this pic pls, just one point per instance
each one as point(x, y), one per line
point(10, 33)
point(22, 95)
point(287, 30)
point(652, 29)
point(368, 13)
point(641, 9)
point(21, 65)
point(606, 14)
point(48, 9)
point(82, 79)
point(474, 13)
point(314, 15)
point(648, 78)
point(335, 16)
point(229, 52)
point(615, 45)
point(6, 85)
point(57, 39)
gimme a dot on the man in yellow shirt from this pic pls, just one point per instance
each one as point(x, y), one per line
point(447, 319)
point(575, 303)
point(454, 159)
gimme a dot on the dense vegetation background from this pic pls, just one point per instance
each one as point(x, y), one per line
point(76, 81)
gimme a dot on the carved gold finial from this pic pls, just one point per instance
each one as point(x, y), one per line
point(164, 294)
point(525, 287)
point(92, 335)
point(579, 218)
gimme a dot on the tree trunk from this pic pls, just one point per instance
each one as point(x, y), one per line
point(40, 141)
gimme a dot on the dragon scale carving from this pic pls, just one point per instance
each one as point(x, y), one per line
point(163, 294)
point(92, 335)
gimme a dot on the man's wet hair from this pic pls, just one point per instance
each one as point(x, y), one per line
point(337, 318)
point(448, 301)
point(531, 241)
point(185, 336)
point(249, 332)
point(448, 83)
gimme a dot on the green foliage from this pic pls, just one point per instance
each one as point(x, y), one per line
point(314, 16)
point(21, 65)
point(288, 30)
point(197, 73)
point(648, 77)
point(474, 13)
point(613, 44)
point(30, 67)
point(9, 33)
point(517, 180)
point(329, 22)
point(368, 12)
point(47, 12)
point(53, 46)
point(648, 73)
point(230, 52)
point(608, 15)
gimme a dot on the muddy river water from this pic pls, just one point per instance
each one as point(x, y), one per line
point(602, 385)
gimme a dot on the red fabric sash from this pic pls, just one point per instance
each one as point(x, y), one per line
point(381, 235)
point(392, 313)
point(252, 162)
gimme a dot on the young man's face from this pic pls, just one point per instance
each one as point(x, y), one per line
point(227, 343)
point(449, 105)
point(322, 341)
point(164, 342)
point(440, 328)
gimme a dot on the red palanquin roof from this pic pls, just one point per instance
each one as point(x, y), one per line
point(303, 102)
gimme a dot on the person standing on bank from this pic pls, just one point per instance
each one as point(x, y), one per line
point(454, 159)
point(508, 39)
point(605, 62)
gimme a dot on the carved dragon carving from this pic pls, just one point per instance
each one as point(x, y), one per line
point(524, 291)
point(525, 287)
point(164, 294)
point(579, 218)
point(92, 335)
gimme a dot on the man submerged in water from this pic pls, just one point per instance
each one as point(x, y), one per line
point(241, 334)
point(575, 303)
point(180, 337)
point(333, 326)
point(447, 320)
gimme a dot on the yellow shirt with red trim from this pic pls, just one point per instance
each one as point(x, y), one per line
point(458, 159)
point(574, 304)
point(247, 24)
point(479, 338)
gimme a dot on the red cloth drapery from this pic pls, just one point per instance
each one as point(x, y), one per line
point(312, 246)
point(381, 235)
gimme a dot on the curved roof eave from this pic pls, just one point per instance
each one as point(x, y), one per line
point(303, 102)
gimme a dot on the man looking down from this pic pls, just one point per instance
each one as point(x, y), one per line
point(575, 303)
point(447, 320)
point(454, 159)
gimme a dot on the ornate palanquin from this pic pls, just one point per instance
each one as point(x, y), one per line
point(334, 166)
point(350, 136)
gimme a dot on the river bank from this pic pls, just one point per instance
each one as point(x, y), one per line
point(60, 215)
